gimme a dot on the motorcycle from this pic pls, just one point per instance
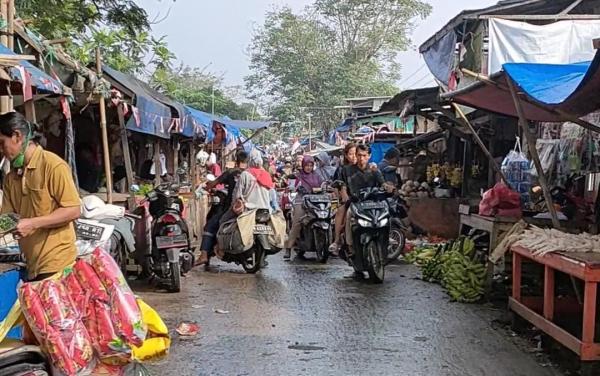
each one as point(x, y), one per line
point(370, 233)
point(171, 255)
point(316, 231)
point(399, 227)
point(24, 361)
point(111, 224)
point(230, 242)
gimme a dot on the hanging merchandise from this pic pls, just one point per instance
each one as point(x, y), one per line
point(516, 168)
point(548, 152)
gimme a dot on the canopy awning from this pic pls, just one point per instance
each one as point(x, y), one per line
point(247, 124)
point(40, 80)
point(151, 116)
point(547, 90)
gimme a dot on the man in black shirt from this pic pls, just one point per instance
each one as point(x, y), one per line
point(229, 178)
point(357, 177)
point(361, 175)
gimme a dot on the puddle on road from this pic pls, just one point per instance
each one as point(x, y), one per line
point(301, 347)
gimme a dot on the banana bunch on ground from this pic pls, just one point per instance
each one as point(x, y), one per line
point(420, 256)
point(462, 275)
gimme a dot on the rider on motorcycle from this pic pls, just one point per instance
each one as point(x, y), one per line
point(324, 168)
point(340, 215)
point(389, 165)
point(306, 181)
point(358, 177)
point(229, 178)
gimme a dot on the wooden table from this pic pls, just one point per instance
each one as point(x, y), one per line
point(540, 311)
point(496, 227)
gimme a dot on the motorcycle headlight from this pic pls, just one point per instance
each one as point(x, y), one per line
point(322, 214)
point(383, 222)
point(364, 223)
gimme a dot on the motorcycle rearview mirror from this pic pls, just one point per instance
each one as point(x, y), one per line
point(134, 188)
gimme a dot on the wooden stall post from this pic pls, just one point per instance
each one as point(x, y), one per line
point(480, 142)
point(107, 169)
point(534, 154)
point(176, 160)
point(126, 152)
point(4, 100)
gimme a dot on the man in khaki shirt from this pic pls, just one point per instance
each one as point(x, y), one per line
point(41, 190)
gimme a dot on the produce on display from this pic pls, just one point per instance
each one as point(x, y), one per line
point(414, 189)
point(456, 266)
point(543, 241)
point(8, 222)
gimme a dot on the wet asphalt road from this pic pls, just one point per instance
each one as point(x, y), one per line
point(301, 318)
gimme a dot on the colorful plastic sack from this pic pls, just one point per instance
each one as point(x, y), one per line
point(56, 324)
point(158, 341)
point(107, 343)
point(126, 314)
point(86, 276)
point(517, 170)
point(500, 200)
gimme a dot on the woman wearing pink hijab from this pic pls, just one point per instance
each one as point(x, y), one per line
point(306, 180)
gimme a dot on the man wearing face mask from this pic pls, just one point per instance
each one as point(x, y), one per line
point(41, 190)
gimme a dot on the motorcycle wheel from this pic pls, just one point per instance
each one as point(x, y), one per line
point(321, 246)
point(175, 277)
point(253, 264)
point(397, 241)
point(376, 263)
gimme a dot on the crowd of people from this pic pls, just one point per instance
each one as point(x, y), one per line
point(252, 183)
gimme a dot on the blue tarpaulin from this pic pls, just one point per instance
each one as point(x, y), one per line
point(248, 124)
point(9, 279)
point(378, 150)
point(43, 82)
point(549, 90)
point(150, 115)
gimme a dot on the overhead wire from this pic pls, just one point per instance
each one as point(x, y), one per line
point(407, 78)
point(420, 79)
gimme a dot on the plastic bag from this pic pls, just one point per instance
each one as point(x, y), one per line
point(158, 342)
point(126, 314)
point(500, 200)
point(56, 324)
point(517, 170)
point(107, 343)
point(548, 152)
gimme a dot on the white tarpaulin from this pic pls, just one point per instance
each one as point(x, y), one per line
point(562, 42)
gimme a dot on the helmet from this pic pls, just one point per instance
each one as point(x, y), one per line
point(288, 159)
point(202, 157)
point(92, 207)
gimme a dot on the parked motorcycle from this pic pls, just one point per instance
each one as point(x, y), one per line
point(171, 255)
point(101, 222)
point(316, 231)
point(232, 247)
point(370, 233)
point(24, 361)
point(399, 227)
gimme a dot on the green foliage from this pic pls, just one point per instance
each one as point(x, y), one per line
point(333, 50)
point(194, 87)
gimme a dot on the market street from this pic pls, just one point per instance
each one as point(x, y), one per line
point(301, 318)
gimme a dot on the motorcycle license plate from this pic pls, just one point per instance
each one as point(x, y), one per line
point(263, 229)
point(163, 242)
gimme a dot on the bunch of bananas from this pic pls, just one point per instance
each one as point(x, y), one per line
point(463, 276)
point(420, 256)
point(456, 177)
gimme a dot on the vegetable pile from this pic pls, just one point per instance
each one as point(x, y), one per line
point(456, 266)
point(8, 222)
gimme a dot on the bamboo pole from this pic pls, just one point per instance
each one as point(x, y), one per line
point(479, 142)
point(107, 169)
point(531, 142)
point(4, 100)
point(125, 146)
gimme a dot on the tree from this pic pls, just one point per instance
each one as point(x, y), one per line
point(195, 87)
point(334, 49)
point(120, 28)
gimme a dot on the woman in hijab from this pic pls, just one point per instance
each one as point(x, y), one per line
point(307, 180)
point(325, 170)
point(253, 189)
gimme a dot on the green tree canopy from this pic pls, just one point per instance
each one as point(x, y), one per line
point(332, 50)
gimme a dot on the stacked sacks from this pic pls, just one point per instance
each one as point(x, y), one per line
point(102, 312)
point(57, 326)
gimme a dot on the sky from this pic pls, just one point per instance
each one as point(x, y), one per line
point(215, 34)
